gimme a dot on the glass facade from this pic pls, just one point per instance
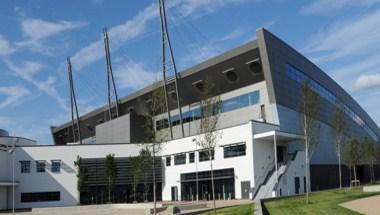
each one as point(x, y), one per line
point(191, 157)
point(179, 159)
point(234, 150)
point(168, 161)
point(25, 166)
point(204, 155)
point(40, 166)
point(300, 77)
point(56, 166)
point(231, 104)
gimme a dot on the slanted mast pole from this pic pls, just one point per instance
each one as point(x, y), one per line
point(164, 69)
point(166, 39)
point(110, 77)
point(73, 102)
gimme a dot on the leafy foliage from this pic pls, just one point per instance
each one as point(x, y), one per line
point(82, 174)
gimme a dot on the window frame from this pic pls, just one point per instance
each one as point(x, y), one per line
point(52, 166)
point(22, 167)
point(234, 154)
point(38, 168)
point(180, 159)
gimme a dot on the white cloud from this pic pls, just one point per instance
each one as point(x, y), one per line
point(5, 46)
point(131, 29)
point(26, 71)
point(189, 7)
point(237, 33)
point(367, 81)
point(37, 29)
point(13, 95)
point(36, 33)
point(199, 54)
point(356, 36)
point(133, 75)
point(328, 6)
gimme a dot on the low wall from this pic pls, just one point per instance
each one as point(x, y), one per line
point(372, 188)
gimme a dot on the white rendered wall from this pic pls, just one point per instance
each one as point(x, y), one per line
point(243, 165)
point(66, 180)
point(296, 168)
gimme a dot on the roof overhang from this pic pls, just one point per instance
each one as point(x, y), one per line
point(280, 136)
point(8, 183)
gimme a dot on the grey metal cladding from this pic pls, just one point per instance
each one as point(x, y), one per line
point(285, 91)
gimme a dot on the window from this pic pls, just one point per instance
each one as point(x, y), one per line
point(255, 66)
point(168, 161)
point(231, 104)
point(180, 159)
point(234, 150)
point(40, 166)
point(41, 197)
point(191, 157)
point(56, 166)
point(204, 155)
point(25, 166)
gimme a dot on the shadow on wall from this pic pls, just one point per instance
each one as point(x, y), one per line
point(63, 182)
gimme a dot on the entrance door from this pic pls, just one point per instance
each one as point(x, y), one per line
point(174, 193)
point(297, 185)
point(245, 188)
point(280, 154)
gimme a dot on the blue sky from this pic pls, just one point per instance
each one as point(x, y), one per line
point(340, 36)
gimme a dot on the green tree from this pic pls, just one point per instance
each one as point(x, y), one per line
point(155, 138)
point(370, 155)
point(351, 155)
point(138, 167)
point(110, 173)
point(309, 107)
point(82, 174)
point(338, 127)
point(210, 113)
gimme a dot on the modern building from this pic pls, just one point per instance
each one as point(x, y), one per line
point(260, 152)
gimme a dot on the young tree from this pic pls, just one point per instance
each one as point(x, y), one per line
point(370, 155)
point(338, 126)
point(309, 107)
point(138, 167)
point(351, 155)
point(110, 173)
point(155, 138)
point(81, 174)
point(210, 112)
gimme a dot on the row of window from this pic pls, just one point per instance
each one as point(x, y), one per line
point(41, 197)
point(40, 166)
point(300, 77)
point(229, 151)
point(227, 105)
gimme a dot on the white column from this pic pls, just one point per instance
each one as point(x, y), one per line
point(275, 155)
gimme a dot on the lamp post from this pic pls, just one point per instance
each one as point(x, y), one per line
point(196, 165)
point(12, 152)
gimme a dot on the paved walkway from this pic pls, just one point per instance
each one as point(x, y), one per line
point(368, 206)
point(129, 209)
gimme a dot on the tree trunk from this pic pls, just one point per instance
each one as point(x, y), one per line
point(340, 172)
point(212, 182)
point(350, 171)
point(134, 190)
point(109, 190)
point(307, 169)
point(154, 182)
point(355, 175)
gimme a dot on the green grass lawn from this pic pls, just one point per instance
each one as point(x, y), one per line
point(235, 210)
point(320, 203)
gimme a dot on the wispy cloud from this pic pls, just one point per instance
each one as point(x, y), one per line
point(359, 35)
point(27, 70)
point(237, 33)
point(13, 95)
point(329, 6)
point(367, 81)
point(199, 54)
point(36, 33)
point(5, 46)
point(133, 75)
point(137, 25)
